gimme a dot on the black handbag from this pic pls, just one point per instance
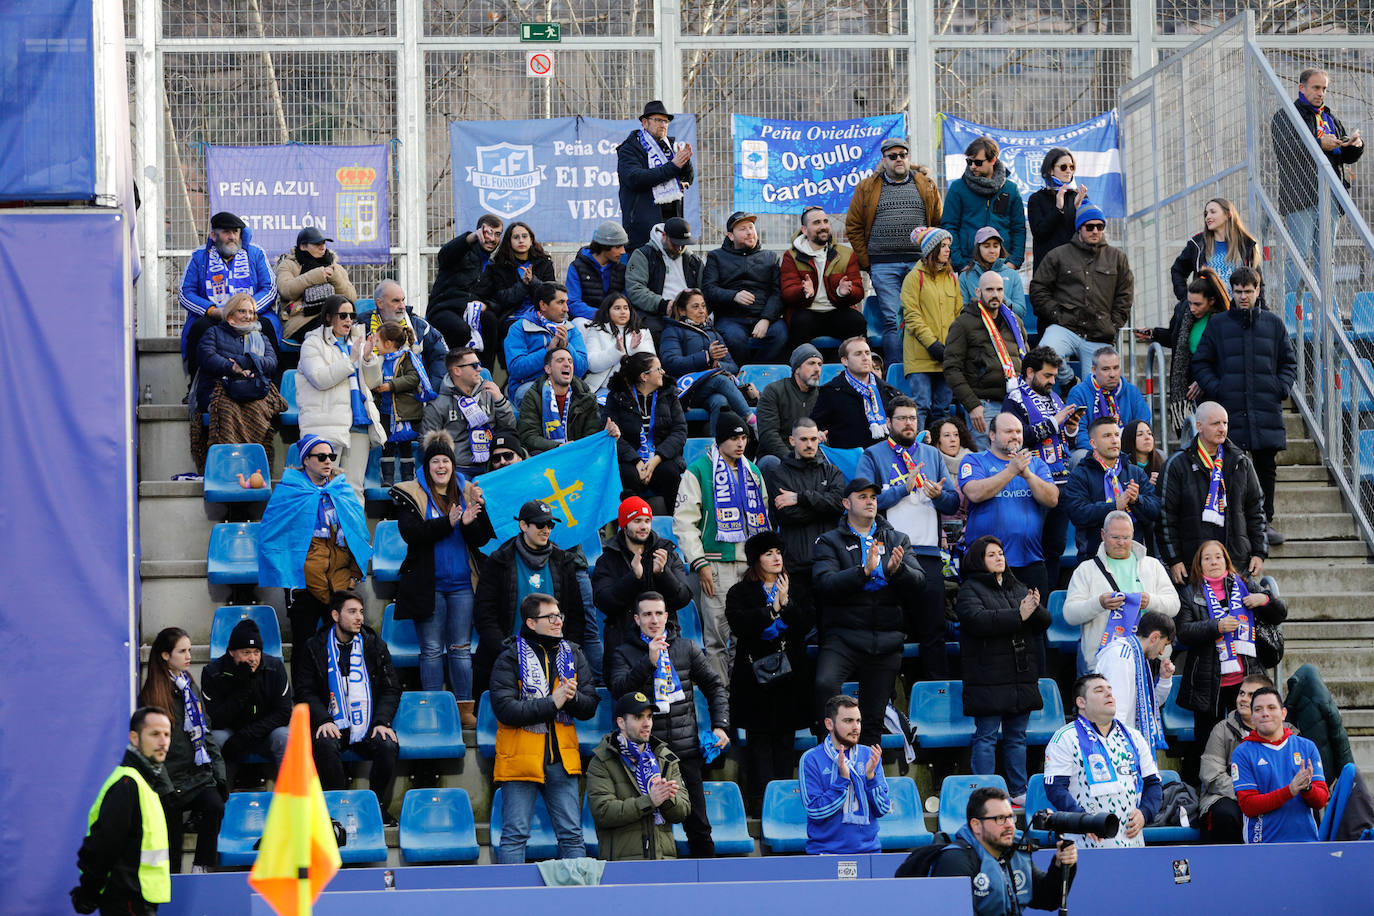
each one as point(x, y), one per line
point(772, 667)
point(253, 388)
point(1268, 643)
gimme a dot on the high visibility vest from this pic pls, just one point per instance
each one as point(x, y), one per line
point(154, 863)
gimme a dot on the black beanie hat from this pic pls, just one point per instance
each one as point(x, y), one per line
point(729, 425)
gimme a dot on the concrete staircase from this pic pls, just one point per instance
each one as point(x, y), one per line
point(1325, 573)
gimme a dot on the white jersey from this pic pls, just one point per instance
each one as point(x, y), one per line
point(1064, 757)
point(1116, 662)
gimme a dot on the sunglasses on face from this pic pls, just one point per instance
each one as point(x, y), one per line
point(895, 156)
point(1094, 227)
point(324, 456)
point(977, 162)
point(1065, 166)
point(473, 365)
point(346, 316)
point(542, 526)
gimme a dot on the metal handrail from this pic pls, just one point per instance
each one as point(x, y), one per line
point(1155, 351)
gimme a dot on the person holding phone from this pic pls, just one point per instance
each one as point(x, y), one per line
point(1278, 776)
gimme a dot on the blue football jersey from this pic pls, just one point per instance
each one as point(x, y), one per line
point(1265, 768)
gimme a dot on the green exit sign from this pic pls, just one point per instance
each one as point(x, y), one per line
point(541, 31)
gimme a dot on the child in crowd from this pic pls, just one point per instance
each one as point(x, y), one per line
point(396, 401)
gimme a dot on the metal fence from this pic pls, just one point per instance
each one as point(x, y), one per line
point(1218, 120)
point(365, 71)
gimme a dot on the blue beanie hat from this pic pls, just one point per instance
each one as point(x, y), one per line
point(1088, 214)
point(308, 443)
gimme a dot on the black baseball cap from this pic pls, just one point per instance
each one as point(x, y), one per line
point(536, 513)
point(311, 235)
point(859, 484)
point(632, 704)
point(678, 231)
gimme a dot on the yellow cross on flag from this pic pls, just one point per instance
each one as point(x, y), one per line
point(298, 855)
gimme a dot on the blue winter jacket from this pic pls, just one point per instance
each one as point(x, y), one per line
point(219, 350)
point(1130, 404)
point(1013, 287)
point(683, 349)
point(194, 294)
point(526, 343)
point(966, 212)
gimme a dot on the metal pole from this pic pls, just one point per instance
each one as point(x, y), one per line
point(151, 289)
point(920, 78)
point(412, 221)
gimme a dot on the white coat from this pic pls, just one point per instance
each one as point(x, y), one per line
point(322, 390)
point(1082, 609)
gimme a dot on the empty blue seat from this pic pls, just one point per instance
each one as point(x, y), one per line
point(291, 415)
point(846, 459)
point(401, 639)
point(695, 448)
point(888, 740)
point(1047, 720)
point(437, 826)
point(1350, 382)
point(696, 414)
point(761, 375)
point(1068, 560)
point(361, 817)
point(826, 343)
point(729, 826)
point(486, 727)
point(427, 727)
point(1037, 800)
point(223, 465)
point(874, 321)
point(373, 491)
point(589, 839)
point(542, 844)
point(1335, 807)
point(1178, 722)
point(232, 557)
point(896, 377)
point(689, 619)
point(829, 371)
point(1162, 835)
point(591, 731)
point(784, 817)
point(245, 816)
point(937, 711)
point(1061, 636)
point(954, 793)
point(905, 825)
point(226, 618)
point(388, 551)
point(663, 526)
point(1362, 318)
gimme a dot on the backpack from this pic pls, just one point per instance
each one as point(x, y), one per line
point(922, 861)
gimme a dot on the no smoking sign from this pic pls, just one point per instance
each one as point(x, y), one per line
point(539, 64)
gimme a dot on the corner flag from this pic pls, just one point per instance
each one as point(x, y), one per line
point(298, 855)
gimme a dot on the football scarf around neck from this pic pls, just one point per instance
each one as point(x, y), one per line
point(193, 718)
point(855, 808)
point(355, 389)
point(1000, 345)
point(903, 466)
point(1231, 646)
point(535, 684)
point(479, 427)
point(1106, 401)
point(879, 577)
point(1122, 621)
point(646, 427)
point(555, 420)
point(737, 500)
point(667, 191)
point(1052, 450)
point(1214, 509)
point(667, 686)
point(642, 764)
point(1147, 719)
point(224, 280)
point(1111, 480)
point(873, 404)
point(1099, 774)
point(350, 701)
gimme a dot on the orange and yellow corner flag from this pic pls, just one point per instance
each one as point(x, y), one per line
point(298, 855)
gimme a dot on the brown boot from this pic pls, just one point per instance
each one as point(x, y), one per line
point(466, 716)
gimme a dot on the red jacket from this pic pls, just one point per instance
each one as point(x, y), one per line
point(840, 262)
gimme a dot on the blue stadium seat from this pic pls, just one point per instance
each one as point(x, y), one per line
point(1036, 801)
point(1061, 636)
point(784, 817)
point(400, 638)
point(905, 825)
point(427, 727)
point(388, 551)
point(291, 415)
point(729, 825)
point(589, 839)
point(437, 826)
point(887, 741)
point(591, 731)
point(1047, 720)
point(226, 618)
point(1031, 323)
point(360, 815)
point(1366, 456)
point(696, 447)
point(1162, 835)
point(245, 816)
point(826, 343)
point(937, 711)
point(1350, 381)
point(1068, 560)
point(1178, 722)
point(223, 465)
point(846, 459)
point(232, 556)
point(829, 371)
point(1335, 806)
point(542, 844)
point(689, 619)
point(761, 375)
point(486, 727)
point(954, 793)
point(663, 526)
point(1362, 318)
point(896, 377)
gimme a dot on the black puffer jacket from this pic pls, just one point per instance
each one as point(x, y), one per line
point(1201, 687)
point(1245, 362)
point(311, 670)
point(503, 290)
point(1001, 674)
point(670, 428)
point(839, 412)
point(631, 670)
point(248, 703)
point(729, 270)
point(819, 486)
point(1191, 259)
point(415, 590)
point(874, 618)
point(1184, 484)
point(593, 285)
point(615, 588)
point(459, 276)
point(1312, 708)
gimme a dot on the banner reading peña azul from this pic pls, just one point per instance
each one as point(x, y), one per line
point(556, 174)
point(781, 165)
point(279, 190)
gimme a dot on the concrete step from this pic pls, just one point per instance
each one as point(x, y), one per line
point(1296, 499)
point(1300, 451)
point(1362, 749)
point(1299, 581)
point(1327, 605)
point(1294, 426)
point(1294, 548)
point(1327, 634)
point(1318, 526)
point(1358, 720)
point(164, 445)
point(1302, 472)
point(176, 527)
point(1350, 694)
point(159, 365)
point(1334, 663)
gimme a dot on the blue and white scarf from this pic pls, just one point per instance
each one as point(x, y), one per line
point(737, 500)
point(686, 381)
point(355, 388)
point(642, 764)
point(879, 577)
point(479, 427)
point(1147, 719)
point(1121, 623)
point(1098, 773)
point(667, 687)
point(555, 420)
point(1214, 509)
point(1230, 646)
point(350, 701)
point(668, 191)
point(192, 719)
point(873, 404)
point(534, 682)
point(1052, 450)
point(646, 429)
point(855, 808)
point(223, 281)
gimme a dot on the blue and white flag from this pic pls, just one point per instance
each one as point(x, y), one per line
point(1095, 145)
point(782, 165)
point(579, 481)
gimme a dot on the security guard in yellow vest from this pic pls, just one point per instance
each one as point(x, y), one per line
point(124, 861)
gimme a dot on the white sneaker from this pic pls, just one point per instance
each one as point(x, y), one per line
point(472, 314)
point(1018, 801)
point(199, 870)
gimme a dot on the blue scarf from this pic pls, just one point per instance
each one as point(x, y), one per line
point(642, 764)
point(479, 426)
point(775, 629)
point(384, 399)
point(350, 703)
point(1111, 481)
point(288, 525)
point(646, 429)
point(665, 192)
point(685, 382)
point(1099, 774)
point(193, 719)
point(1214, 509)
point(873, 404)
point(1147, 720)
point(879, 577)
point(355, 389)
point(534, 682)
point(223, 281)
point(737, 500)
point(667, 687)
point(1121, 623)
point(1052, 450)
point(555, 420)
point(991, 896)
point(1230, 646)
point(855, 808)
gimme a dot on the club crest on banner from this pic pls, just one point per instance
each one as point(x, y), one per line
point(506, 178)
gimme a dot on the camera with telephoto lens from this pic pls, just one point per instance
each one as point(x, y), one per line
point(1104, 825)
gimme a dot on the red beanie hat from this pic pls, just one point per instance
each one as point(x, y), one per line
point(633, 508)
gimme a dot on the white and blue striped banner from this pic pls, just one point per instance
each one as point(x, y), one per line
point(1095, 145)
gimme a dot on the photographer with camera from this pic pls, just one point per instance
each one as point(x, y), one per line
point(1004, 879)
point(1099, 765)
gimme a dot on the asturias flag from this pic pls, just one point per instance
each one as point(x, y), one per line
point(579, 481)
point(298, 855)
